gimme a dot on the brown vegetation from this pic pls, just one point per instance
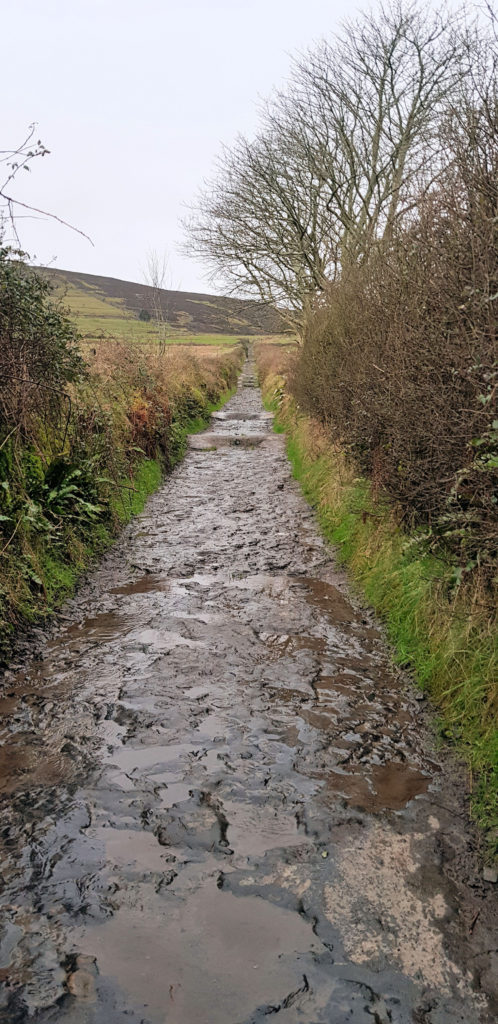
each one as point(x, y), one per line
point(401, 361)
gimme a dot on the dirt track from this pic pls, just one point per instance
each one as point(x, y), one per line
point(220, 803)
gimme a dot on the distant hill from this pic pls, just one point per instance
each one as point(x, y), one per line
point(106, 306)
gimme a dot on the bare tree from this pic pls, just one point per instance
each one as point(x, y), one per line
point(259, 225)
point(338, 160)
point(370, 107)
point(157, 278)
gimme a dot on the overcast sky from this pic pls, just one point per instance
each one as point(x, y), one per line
point(133, 99)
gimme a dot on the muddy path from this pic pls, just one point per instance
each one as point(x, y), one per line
point(219, 802)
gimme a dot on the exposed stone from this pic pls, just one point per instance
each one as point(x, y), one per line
point(490, 874)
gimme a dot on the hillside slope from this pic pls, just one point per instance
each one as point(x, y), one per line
point(108, 306)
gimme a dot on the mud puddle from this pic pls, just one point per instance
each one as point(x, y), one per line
point(219, 801)
point(212, 957)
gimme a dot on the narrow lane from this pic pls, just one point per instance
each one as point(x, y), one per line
point(219, 802)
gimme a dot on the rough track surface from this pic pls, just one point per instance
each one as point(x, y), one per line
point(219, 801)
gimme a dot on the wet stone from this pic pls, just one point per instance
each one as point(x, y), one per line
point(218, 800)
point(81, 981)
point(490, 875)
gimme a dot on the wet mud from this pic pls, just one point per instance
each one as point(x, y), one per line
point(220, 803)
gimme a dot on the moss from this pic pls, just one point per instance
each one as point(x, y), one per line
point(34, 470)
point(59, 578)
point(448, 640)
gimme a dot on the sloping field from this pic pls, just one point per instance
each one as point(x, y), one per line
point(108, 307)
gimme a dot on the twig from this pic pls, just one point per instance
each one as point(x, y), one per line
point(4, 442)
point(45, 213)
point(48, 387)
point(19, 521)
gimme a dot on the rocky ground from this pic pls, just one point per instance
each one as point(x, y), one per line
point(220, 802)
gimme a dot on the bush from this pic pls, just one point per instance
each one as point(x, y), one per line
point(400, 362)
point(39, 351)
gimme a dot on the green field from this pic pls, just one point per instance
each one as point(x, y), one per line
point(107, 308)
point(98, 317)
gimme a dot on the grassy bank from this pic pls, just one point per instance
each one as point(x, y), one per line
point(445, 634)
point(68, 487)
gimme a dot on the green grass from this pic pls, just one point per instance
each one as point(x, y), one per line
point(447, 640)
point(130, 499)
point(59, 578)
point(99, 316)
point(132, 330)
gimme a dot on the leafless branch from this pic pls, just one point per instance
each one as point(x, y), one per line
point(337, 162)
point(17, 160)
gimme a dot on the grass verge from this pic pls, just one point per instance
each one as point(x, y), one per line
point(446, 637)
